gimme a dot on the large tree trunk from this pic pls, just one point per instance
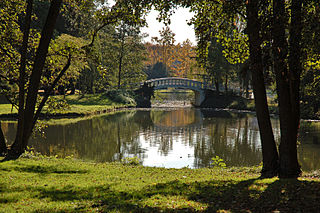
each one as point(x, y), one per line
point(269, 149)
point(295, 66)
point(19, 146)
point(22, 70)
point(3, 144)
point(216, 84)
point(289, 166)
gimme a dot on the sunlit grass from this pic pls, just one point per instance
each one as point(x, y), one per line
point(7, 109)
point(66, 185)
point(78, 105)
point(88, 99)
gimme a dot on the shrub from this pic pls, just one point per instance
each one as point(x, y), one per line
point(121, 96)
point(133, 161)
point(218, 162)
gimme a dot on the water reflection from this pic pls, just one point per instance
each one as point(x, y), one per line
point(169, 138)
point(309, 146)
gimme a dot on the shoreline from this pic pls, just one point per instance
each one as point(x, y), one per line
point(71, 115)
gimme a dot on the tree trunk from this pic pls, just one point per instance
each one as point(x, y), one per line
point(226, 84)
point(295, 65)
point(22, 70)
point(216, 84)
point(289, 166)
point(119, 73)
point(247, 85)
point(269, 149)
point(122, 34)
point(3, 144)
point(49, 91)
point(19, 146)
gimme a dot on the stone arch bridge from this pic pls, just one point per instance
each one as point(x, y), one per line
point(199, 88)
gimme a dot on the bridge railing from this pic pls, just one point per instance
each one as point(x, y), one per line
point(176, 82)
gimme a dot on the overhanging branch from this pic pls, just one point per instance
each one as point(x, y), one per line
point(48, 92)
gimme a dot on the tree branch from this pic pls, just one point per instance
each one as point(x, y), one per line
point(48, 92)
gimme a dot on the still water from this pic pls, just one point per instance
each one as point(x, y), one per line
point(172, 138)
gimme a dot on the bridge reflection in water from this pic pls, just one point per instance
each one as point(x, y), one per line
point(169, 138)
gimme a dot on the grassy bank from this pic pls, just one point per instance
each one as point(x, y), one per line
point(66, 185)
point(77, 105)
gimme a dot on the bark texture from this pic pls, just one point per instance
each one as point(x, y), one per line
point(22, 70)
point(269, 149)
point(289, 166)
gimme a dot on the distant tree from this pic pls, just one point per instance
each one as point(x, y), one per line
point(218, 67)
point(184, 59)
point(154, 67)
point(168, 59)
point(157, 70)
point(165, 45)
point(128, 45)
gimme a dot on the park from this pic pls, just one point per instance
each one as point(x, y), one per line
point(98, 116)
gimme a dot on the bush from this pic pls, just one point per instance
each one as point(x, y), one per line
point(121, 96)
point(133, 161)
point(218, 162)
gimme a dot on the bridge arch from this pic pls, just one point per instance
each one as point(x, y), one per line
point(197, 87)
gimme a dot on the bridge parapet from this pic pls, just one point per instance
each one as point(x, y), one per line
point(181, 83)
point(176, 82)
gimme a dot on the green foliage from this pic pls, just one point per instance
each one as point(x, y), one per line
point(55, 105)
point(236, 49)
point(230, 102)
point(215, 20)
point(157, 70)
point(31, 153)
point(218, 162)
point(121, 96)
point(60, 50)
point(122, 54)
point(133, 161)
point(39, 128)
point(10, 38)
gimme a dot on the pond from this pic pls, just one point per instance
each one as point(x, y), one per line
point(169, 137)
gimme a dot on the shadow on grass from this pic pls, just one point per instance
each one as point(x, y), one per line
point(253, 195)
point(8, 200)
point(44, 169)
point(246, 196)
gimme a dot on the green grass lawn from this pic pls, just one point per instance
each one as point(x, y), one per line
point(7, 109)
point(43, 184)
point(78, 105)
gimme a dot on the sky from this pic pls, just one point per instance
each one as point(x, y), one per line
point(178, 25)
